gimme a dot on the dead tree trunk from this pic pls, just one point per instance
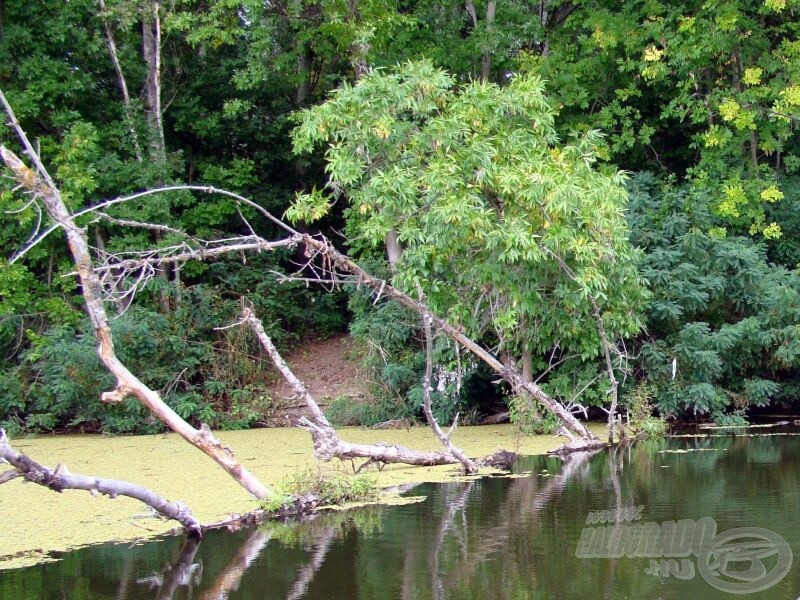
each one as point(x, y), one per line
point(59, 479)
point(341, 263)
point(327, 444)
point(39, 183)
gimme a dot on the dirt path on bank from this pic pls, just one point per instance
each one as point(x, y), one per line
point(329, 369)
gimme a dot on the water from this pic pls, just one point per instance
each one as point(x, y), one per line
point(488, 538)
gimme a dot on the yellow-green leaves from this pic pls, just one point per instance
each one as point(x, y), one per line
point(485, 201)
point(308, 207)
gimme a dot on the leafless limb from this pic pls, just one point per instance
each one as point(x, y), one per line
point(160, 190)
point(60, 479)
point(468, 464)
point(40, 183)
point(327, 444)
point(139, 224)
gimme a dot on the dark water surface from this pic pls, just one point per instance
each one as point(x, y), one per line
point(510, 538)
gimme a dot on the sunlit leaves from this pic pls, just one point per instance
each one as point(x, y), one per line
point(483, 196)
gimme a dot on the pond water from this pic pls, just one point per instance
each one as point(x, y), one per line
point(523, 537)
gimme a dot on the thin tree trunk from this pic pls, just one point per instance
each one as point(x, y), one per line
point(511, 375)
point(121, 81)
point(604, 342)
point(394, 250)
point(59, 479)
point(119, 302)
point(544, 20)
point(41, 184)
point(151, 51)
point(304, 70)
point(486, 59)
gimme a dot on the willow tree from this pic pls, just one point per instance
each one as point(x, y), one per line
point(516, 236)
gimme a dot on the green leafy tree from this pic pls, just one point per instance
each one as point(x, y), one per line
point(481, 205)
point(706, 89)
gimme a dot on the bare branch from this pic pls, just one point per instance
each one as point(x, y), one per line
point(469, 465)
point(41, 183)
point(60, 479)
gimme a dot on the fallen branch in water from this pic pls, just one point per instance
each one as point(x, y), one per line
point(59, 479)
point(40, 186)
point(327, 443)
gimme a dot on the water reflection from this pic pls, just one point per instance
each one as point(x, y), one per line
point(484, 538)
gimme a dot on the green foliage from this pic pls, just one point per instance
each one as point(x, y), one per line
point(60, 379)
point(706, 89)
point(505, 230)
point(721, 313)
point(639, 405)
point(343, 410)
point(331, 486)
point(529, 418)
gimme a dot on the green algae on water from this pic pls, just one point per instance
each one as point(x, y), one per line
point(37, 521)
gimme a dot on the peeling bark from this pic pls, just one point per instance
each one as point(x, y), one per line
point(59, 479)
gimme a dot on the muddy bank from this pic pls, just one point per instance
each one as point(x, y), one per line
point(37, 521)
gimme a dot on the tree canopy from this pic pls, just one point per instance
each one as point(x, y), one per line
point(497, 149)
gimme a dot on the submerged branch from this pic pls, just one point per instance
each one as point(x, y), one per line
point(59, 479)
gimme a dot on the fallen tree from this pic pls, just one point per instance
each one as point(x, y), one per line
point(328, 445)
point(60, 479)
point(40, 186)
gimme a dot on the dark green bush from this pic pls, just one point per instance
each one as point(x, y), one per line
point(721, 313)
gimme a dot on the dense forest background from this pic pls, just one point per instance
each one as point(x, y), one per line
point(698, 102)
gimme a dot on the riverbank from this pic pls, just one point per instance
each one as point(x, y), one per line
point(37, 521)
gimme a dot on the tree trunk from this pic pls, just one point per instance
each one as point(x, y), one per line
point(121, 81)
point(304, 70)
point(486, 59)
point(41, 184)
point(511, 375)
point(151, 51)
point(394, 251)
point(59, 479)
